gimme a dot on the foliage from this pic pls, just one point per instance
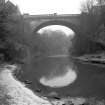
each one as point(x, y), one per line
point(87, 6)
point(7, 47)
point(84, 45)
point(91, 6)
point(93, 15)
point(100, 2)
point(52, 43)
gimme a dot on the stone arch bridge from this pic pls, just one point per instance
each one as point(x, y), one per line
point(72, 21)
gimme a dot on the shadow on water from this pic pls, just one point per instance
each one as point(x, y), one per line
point(90, 81)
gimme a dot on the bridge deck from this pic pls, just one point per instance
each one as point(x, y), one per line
point(45, 16)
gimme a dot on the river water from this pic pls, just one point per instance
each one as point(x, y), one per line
point(88, 80)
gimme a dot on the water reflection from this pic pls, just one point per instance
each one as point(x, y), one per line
point(89, 81)
point(68, 77)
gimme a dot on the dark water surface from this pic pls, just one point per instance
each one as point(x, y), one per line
point(90, 81)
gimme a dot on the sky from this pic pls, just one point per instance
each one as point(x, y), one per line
point(48, 6)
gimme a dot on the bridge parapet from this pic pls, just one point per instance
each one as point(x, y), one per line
point(26, 16)
point(62, 19)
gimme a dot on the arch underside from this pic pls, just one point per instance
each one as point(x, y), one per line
point(58, 22)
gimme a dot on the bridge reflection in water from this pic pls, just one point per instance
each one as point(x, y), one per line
point(59, 76)
point(90, 80)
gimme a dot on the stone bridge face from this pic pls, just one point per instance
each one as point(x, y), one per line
point(37, 22)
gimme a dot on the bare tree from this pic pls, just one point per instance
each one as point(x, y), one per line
point(101, 2)
point(93, 6)
point(87, 6)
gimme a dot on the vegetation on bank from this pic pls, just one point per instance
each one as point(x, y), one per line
point(93, 15)
point(6, 53)
point(13, 33)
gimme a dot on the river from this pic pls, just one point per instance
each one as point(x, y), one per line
point(54, 71)
point(89, 81)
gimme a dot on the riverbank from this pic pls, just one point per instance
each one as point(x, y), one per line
point(14, 92)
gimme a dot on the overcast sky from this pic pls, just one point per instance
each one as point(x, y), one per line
point(49, 6)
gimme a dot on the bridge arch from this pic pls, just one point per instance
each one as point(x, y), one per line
point(77, 41)
point(73, 27)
